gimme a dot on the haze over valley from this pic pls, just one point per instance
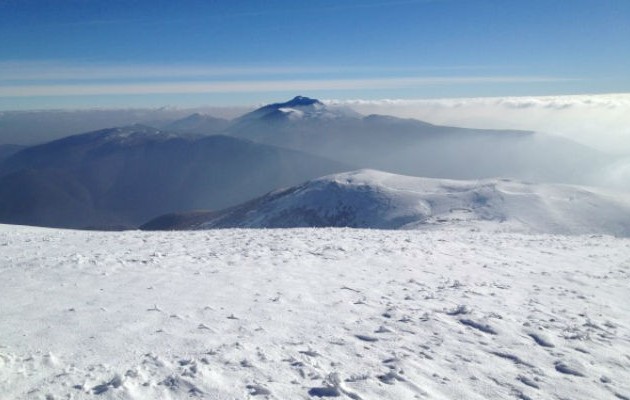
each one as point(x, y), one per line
point(122, 177)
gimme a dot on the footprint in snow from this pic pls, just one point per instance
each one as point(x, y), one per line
point(527, 381)
point(479, 326)
point(333, 387)
point(324, 392)
point(115, 382)
point(384, 329)
point(390, 378)
point(257, 390)
point(515, 359)
point(459, 310)
point(570, 368)
point(366, 338)
point(178, 384)
point(541, 339)
point(203, 326)
point(310, 353)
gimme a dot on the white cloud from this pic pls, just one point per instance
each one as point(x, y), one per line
point(54, 70)
point(554, 102)
point(245, 86)
point(81, 71)
point(601, 121)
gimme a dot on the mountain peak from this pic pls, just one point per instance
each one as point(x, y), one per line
point(298, 101)
point(298, 108)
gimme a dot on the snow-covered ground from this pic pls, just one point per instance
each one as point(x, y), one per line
point(302, 313)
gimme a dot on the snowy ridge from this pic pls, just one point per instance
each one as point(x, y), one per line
point(374, 199)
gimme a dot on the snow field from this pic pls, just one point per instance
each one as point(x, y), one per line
point(308, 313)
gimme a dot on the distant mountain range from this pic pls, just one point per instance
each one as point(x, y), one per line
point(41, 126)
point(414, 147)
point(374, 199)
point(123, 177)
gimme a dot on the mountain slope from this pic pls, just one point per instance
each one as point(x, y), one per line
point(413, 147)
point(373, 199)
point(41, 126)
point(7, 150)
point(125, 176)
point(49, 198)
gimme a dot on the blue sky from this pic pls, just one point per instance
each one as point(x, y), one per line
point(89, 53)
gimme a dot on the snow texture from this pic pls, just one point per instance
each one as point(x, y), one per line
point(313, 313)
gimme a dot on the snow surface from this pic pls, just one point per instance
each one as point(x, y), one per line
point(308, 313)
point(375, 199)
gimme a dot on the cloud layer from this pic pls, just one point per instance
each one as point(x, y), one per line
point(250, 86)
point(600, 121)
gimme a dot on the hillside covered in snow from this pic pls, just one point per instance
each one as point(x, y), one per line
point(313, 313)
point(374, 199)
